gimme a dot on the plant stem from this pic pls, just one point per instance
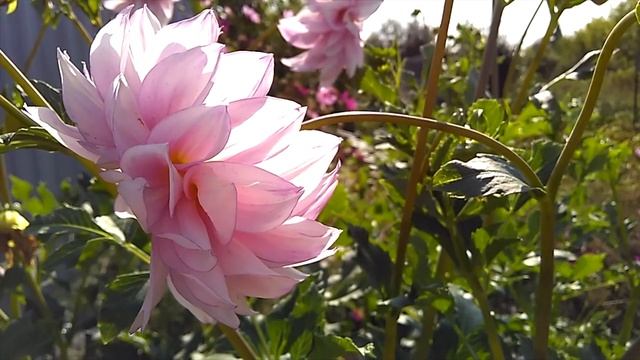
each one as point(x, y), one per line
point(14, 112)
point(368, 116)
point(490, 50)
point(522, 94)
point(629, 314)
point(36, 45)
point(71, 15)
point(474, 283)
point(430, 94)
point(46, 312)
point(575, 138)
point(22, 80)
point(544, 291)
point(515, 56)
point(239, 343)
point(444, 266)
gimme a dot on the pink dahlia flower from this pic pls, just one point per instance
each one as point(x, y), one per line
point(327, 95)
point(163, 9)
point(330, 32)
point(217, 172)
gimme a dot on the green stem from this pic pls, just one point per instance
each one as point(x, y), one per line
point(36, 45)
point(429, 313)
point(630, 314)
point(515, 56)
point(466, 269)
point(575, 139)
point(449, 128)
point(523, 92)
point(430, 95)
point(46, 312)
point(490, 52)
point(137, 252)
point(67, 9)
point(239, 343)
point(22, 80)
point(14, 112)
point(544, 291)
point(4, 318)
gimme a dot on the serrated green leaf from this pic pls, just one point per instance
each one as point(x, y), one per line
point(484, 175)
point(587, 264)
point(334, 347)
point(121, 303)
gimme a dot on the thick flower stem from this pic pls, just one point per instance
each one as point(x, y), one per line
point(575, 139)
point(629, 314)
point(239, 343)
point(22, 80)
point(431, 92)
point(368, 116)
point(515, 56)
point(521, 97)
point(444, 266)
point(544, 291)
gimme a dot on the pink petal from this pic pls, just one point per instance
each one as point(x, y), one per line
point(83, 103)
point(240, 75)
point(157, 288)
point(186, 228)
point(212, 193)
point(179, 36)
point(312, 202)
point(141, 38)
point(265, 287)
point(152, 163)
point(66, 135)
point(182, 259)
point(106, 51)
point(126, 123)
point(194, 134)
point(165, 91)
point(305, 161)
point(237, 259)
point(263, 200)
point(297, 240)
point(203, 312)
point(261, 127)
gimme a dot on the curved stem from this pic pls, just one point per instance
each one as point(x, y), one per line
point(590, 102)
point(521, 97)
point(515, 56)
point(629, 314)
point(239, 343)
point(401, 119)
point(544, 291)
point(22, 80)
point(14, 112)
point(36, 45)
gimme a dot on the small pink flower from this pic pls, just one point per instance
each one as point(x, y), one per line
point(301, 89)
point(329, 31)
point(216, 171)
point(348, 101)
point(162, 9)
point(251, 14)
point(327, 95)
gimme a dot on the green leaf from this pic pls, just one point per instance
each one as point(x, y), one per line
point(44, 203)
point(484, 175)
point(487, 116)
point(26, 337)
point(334, 347)
point(371, 84)
point(29, 138)
point(12, 6)
point(588, 264)
point(374, 261)
point(120, 304)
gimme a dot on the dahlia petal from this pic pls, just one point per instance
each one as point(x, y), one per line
point(181, 259)
point(132, 193)
point(296, 241)
point(208, 288)
point(126, 123)
point(178, 37)
point(106, 50)
point(165, 91)
point(212, 194)
point(83, 103)
point(261, 127)
point(237, 259)
point(151, 162)
point(263, 200)
point(204, 313)
point(66, 135)
point(249, 73)
point(265, 287)
point(312, 202)
point(155, 292)
point(140, 39)
point(194, 134)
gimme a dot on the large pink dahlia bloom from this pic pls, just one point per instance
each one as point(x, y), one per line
point(217, 172)
point(329, 31)
point(162, 9)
